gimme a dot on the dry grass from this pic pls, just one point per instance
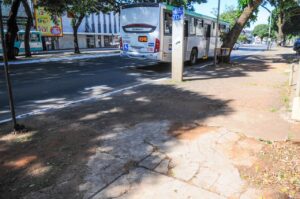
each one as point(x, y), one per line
point(278, 167)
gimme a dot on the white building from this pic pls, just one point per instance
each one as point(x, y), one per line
point(96, 30)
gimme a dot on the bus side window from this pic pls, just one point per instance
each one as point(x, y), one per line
point(214, 26)
point(186, 28)
point(167, 23)
point(199, 28)
point(208, 30)
point(192, 26)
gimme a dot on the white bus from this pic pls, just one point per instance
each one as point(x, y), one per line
point(146, 32)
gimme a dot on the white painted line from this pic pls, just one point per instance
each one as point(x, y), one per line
point(76, 102)
point(42, 111)
point(69, 58)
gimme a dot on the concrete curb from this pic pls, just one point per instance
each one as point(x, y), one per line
point(68, 58)
point(296, 109)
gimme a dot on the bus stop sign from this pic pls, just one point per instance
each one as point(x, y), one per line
point(177, 13)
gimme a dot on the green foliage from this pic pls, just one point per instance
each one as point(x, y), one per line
point(261, 30)
point(76, 7)
point(292, 25)
point(243, 38)
point(230, 15)
point(84, 7)
point(242, 4)
point(289, 11)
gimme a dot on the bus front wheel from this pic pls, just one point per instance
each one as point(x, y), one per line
point(193, 57)
point(16, 51)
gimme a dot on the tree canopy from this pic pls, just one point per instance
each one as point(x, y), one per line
point(230, 15)
point(261, 30)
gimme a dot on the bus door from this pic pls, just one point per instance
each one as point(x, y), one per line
point(207, 28)
point(186, 34)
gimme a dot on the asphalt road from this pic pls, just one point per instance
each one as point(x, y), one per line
point(49, 85)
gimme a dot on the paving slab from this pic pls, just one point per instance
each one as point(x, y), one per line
point(141, 183)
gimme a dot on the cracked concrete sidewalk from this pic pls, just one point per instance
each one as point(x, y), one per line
point(158, 165)
point(168, 140)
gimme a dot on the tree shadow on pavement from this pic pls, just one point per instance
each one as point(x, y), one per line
point(50, 160)
point(84, 149)
point(234, 69)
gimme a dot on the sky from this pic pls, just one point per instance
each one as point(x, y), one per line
point(207, 8)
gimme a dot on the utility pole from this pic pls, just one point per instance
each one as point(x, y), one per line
point(269, 39)
point(177, 43)
point(217, 34)
point(16, 127)
point(270, 24)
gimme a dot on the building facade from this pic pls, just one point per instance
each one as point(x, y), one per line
point(96, 30)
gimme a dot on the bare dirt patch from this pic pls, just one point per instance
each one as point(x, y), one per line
point(191, 132)
point(243, 151)
point(277, 168)
point(35, 160)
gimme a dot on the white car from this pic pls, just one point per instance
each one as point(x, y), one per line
point(236, 46)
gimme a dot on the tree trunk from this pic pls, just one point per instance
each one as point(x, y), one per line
point(75, 25)
point(280, 36)
point(233, 35)
point(76, 46)
point(12, 29)
point(28, 27)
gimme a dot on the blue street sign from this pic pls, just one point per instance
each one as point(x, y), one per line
point(125, 47)
point(177, 13)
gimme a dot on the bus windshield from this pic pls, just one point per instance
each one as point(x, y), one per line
point(144, 19)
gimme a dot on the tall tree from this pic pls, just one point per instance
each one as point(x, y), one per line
point(12, 28)
point(248, 9)
point(261, 30)
point(230, 15)
point(292, 25)
point(29, 24)
point(284, 10)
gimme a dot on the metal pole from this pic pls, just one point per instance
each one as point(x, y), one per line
point(6, 71)
point(291, 75)
point(217, 34)
point(298, 82)
point(270, 24)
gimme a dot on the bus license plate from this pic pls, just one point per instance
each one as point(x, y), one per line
point(143, 39)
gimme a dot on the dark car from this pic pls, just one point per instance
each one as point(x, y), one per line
point(297, 45)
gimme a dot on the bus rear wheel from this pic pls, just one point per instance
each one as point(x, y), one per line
point(193, 57)
point(16, 51)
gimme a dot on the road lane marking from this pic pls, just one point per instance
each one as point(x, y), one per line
point(54, 59)
point(77, 102)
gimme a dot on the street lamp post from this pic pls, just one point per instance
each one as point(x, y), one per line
point(270, 24)
point(217, 34)
point(16, 127)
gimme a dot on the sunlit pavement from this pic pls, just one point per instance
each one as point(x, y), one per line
point(160, 140)
point(247, 50)
point(44, 86)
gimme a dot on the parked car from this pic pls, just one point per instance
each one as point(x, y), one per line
point(297, 46)
point(236, 46)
